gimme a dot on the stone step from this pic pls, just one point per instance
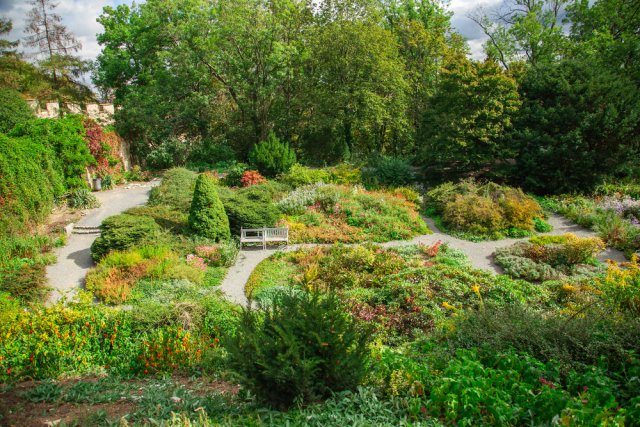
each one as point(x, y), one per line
point(87, 231)
point(86, 227)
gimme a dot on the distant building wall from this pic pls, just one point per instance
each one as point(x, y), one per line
point(101, 113)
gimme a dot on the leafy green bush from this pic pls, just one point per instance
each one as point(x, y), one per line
point(121, 232)
point(480, 211)
point(300, 175)
point(234, 174)
point(301, 348)
point(66, 136)
point(30, 181)
point(13, 110)
point(175, 191)
point(172, 152)
point(272, 157)
point(207, 216)
point(389, 172)
point(344, 174)
point(475, 214)
point(81, 198)
point(250, 207)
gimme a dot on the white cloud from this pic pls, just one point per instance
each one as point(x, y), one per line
point(465, 26)
point(78, 15)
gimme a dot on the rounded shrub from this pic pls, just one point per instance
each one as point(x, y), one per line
point(122, 232)
point(207, 216)
point(250, 207)
point(473, 213)
point(175, 191)
point(301, 347)
point(272, 157)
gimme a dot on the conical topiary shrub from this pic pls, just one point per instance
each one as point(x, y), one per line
point(207, 216)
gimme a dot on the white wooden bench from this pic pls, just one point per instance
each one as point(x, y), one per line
point(264, 235)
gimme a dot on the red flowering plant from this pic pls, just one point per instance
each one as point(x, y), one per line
point(251, 177)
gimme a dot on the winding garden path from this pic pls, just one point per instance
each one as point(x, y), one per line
point(479, 253)
point(74, 259)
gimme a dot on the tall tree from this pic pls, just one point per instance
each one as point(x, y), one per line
point(57, 45)
point(467, 119)
point(6, 46)
point(529, 30)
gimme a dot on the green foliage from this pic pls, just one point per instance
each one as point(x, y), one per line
point(300, 175)
point(170, 153)
point(22, 267)
point(329, 214)
point(207, 215)
point(81, 198)
point(234, 174)
point(30, 181)
point(175, 191)
point(550, 257)
point(250, 207)
point(573, 341)
point(565, 140)
point(542, 226)
point(301, 348)
point(121, 232)
point(479, 211)
point(83, 338)
point(389, 172)
point(13, 110)
point(470, 112)
point(272, 157)
point(66, 137)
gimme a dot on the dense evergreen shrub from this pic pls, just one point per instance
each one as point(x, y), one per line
point(272, 157)
point(121, 232)
point(389, 172)
point(13, 110)
point(30, 179)
point(175, 191)
point(207, 216)
point(302, 347)
point(250, 207)
point(66, 136)
point(578, 123)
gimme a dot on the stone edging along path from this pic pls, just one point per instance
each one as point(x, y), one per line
point(479, 253)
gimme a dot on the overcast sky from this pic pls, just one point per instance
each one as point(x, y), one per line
point(80, 17)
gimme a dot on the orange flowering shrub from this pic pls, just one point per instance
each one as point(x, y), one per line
point(251, 177)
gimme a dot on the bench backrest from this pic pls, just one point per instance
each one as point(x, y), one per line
point(276, 232)
point(264, 233)
point(251, 232)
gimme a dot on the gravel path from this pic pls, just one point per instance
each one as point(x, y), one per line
point(74, 259)
point(479, 253)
